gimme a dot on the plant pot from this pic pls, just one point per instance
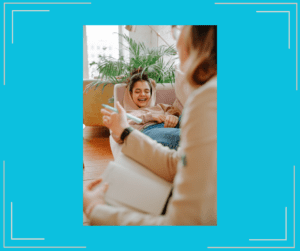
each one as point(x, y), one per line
point(92, 103)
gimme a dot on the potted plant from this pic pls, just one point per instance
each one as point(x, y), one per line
point(114, 71)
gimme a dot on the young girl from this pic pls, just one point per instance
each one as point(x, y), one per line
point(160, 122)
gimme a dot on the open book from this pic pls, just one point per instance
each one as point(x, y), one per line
point(134, 186)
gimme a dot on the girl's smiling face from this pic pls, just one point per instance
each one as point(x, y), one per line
point(141, 93)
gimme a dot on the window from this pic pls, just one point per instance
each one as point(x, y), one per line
point(101, 40)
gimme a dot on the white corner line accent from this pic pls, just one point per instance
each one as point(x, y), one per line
point(12, 20)
point(11, 230)
point(289, 43)
point(11, 225)
point(4, 28)
point(52, 3)
point(294, 244)
point(296, 33)
point(276, 239)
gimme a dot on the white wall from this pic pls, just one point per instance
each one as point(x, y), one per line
point(165, 32)
point(145, 34)
point(142, 34)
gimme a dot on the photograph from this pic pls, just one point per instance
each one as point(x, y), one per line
point(150, 125)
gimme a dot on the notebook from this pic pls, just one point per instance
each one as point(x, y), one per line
point(134, 186)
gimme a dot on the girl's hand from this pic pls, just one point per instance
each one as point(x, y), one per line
point(159, 118)
point(171, 121)
point(116, 122)
point(93, 196)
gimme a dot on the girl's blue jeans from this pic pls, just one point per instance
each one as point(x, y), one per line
point(166, 136)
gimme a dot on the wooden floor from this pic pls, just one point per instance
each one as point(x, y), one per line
point(96, 154)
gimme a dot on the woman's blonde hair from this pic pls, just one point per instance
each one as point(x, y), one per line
point(201, 41)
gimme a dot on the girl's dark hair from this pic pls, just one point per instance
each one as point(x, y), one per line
point(138, 75)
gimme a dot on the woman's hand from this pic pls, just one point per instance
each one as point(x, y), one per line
point(171, 121)
point(159, 118)
point(116, 122)
point(93, 196)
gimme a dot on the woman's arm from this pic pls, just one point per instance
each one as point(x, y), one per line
point(159, 159)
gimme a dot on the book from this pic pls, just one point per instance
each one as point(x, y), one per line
point(134, 186)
